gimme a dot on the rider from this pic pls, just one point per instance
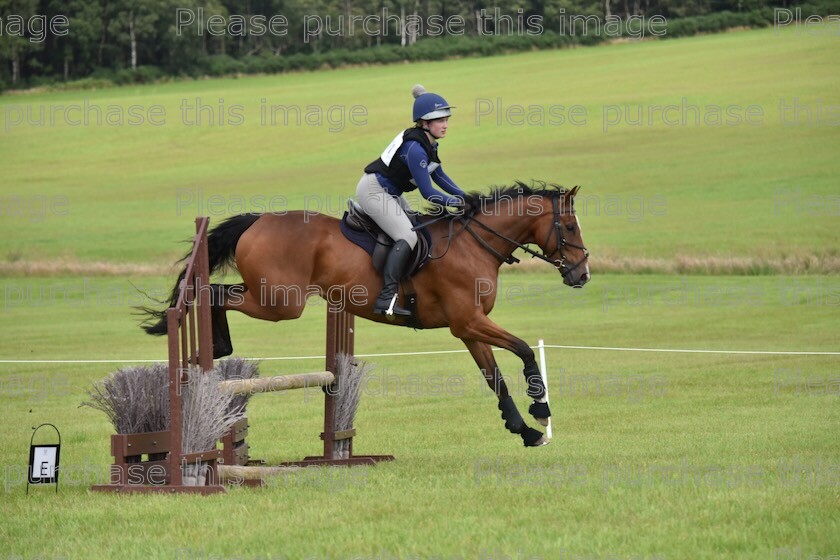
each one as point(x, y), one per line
point(409, 162)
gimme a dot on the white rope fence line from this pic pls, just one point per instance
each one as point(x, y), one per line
point(689, 351)
point(433, 352)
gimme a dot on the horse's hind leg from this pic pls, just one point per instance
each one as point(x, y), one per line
point(277, 303)
point(483, 355)
point(221, 294)
point(237, 297)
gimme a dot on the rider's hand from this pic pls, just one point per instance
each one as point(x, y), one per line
point(463, 207)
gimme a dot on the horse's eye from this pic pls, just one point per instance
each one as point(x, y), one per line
point(570, 228)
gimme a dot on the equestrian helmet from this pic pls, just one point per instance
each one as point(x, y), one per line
point(429, 106)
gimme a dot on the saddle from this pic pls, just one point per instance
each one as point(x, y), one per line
point(360, 229)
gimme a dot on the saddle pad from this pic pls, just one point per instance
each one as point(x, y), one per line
point(361, 238)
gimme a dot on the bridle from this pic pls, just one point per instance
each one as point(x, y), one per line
point(557, 229)
point(561, 242)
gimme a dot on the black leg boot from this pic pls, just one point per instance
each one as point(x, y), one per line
point(386, 303)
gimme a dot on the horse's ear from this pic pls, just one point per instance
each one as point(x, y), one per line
point(572, 192)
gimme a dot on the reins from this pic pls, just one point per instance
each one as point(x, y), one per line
point(469, 220)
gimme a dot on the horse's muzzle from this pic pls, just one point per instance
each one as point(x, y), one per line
point(577, 280)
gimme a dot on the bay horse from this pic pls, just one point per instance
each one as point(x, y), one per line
point(302, 253)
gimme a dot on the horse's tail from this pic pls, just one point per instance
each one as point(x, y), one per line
point(221, 249)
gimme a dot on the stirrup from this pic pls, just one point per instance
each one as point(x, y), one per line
point(392, 310)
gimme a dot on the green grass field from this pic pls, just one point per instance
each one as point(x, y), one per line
point(655, 455)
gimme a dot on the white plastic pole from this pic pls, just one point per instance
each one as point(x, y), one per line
point(541, 347)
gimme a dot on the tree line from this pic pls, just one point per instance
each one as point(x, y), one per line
point(63, 41)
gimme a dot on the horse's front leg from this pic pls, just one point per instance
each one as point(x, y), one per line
point(482, 329)
point(483, 355)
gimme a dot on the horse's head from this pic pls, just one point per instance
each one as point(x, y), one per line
point(557, 231)
point(513, 217)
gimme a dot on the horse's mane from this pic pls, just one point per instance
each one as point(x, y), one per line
point(507, 192)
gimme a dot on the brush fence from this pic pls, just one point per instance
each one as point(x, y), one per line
point(239, 468)
point(153, 462)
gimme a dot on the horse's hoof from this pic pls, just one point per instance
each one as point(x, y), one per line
point(542, 441)
point(219, 353)
point(542, 421)
point(532, 437)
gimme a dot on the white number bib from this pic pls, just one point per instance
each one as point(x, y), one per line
point(392, 148)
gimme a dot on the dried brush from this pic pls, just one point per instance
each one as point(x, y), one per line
point(208, 413)
point(237, 368)
point(350, 378)
point(135, 399)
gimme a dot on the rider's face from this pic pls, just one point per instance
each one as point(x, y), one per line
point(438, 127)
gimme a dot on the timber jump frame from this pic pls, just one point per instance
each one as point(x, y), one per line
point(340, 340)
point(190, 343)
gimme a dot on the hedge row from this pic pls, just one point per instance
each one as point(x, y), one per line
point(431, 49)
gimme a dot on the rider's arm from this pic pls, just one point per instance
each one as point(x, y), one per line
point(442, 179)
point(418, 163)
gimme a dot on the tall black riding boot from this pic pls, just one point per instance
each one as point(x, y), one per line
point(386, 303)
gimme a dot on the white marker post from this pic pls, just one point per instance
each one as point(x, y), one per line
point(541, 347)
